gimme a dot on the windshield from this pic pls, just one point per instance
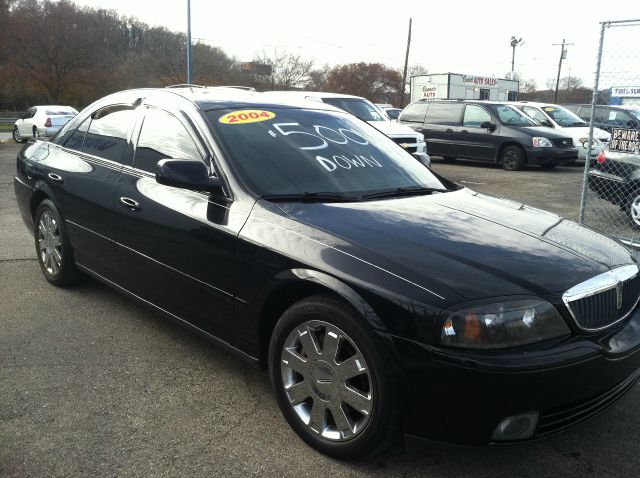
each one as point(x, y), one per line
point(563, 116)
point(287, 151)
point(357, 107)
point(393, 113)
point(510, 115)
point(635, 114)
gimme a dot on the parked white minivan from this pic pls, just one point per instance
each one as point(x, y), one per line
point(558, 117)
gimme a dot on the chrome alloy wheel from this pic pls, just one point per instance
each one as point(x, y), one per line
point(326, 380)
point(49, 243)
point(634, 209)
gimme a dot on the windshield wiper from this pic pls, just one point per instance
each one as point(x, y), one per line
point(413, 191)
point(310, 197)
point(578, 123)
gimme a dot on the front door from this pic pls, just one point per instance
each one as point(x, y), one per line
point(175, 248)
point(477, 142)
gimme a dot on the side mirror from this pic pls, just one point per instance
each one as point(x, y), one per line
point(488, 125)
point(188, 174)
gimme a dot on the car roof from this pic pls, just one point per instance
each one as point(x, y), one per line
point(619, 107)
point(217, 97)
point(54, 106)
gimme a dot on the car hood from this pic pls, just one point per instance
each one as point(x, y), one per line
point(545, 132)
point(578, 132)
point(392, 129)
point(476, 245)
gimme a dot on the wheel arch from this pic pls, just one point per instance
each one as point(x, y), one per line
point(294, 285)
point(40, 193)
point(505, 145)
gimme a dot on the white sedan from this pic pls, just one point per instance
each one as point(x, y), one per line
point(42, 121)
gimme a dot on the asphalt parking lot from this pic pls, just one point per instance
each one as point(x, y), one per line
point(91, 384)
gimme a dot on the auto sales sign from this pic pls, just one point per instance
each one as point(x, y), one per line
point(625, 140)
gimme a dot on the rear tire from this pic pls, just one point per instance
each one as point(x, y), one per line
point(16, 135)
point(513, 158)
point(333, 379)
point(54, 252)
point(36, 133)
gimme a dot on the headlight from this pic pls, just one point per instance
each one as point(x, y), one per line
point(420, 138)
point(502, 324)
point(539, 142)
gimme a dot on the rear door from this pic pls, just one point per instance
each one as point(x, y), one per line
point(89, 159)
point(175, 248)
point(441, 127)
point(476, 142)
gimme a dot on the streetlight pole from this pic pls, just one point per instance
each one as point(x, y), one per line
point(514, 43)
point(189, 75)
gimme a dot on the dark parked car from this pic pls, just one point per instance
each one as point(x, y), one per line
point(487, 131)
point(615, 176)
point(608, 117)
point(382, 298)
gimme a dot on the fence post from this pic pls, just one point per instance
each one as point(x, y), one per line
point(594, 100)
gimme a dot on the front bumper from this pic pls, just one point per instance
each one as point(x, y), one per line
point(551, 155)
point(460, 397)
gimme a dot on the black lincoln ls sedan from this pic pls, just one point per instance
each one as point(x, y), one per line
point(385, 300)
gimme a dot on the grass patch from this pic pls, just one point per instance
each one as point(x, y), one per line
point(6, 127)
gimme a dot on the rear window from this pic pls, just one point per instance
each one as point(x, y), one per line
point(415, 112)
point(444, 113)
point(61, 112)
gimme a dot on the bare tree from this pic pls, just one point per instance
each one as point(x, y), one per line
point(374, 81)
point(288, 71)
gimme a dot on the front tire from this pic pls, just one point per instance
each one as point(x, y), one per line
point(333, 379)
point(633, 209)
point(513, 158)
point(55, 254)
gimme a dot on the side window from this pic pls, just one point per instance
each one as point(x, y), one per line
point(474, 116)
point(163, 136)
point(585, 112)
point(537, 115)
point(415, 112)
point(107, 134)
point(74, 138)
point(447, 114)
point(31, 112)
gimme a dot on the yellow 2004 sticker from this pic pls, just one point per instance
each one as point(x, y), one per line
point(246, 116)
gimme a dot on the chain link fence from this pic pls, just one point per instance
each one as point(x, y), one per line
point(610, 199)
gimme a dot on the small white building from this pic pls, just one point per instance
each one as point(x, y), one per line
point(455, 86)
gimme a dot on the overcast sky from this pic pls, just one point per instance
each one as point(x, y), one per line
point(469, 37)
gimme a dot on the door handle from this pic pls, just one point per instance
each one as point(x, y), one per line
point(130, 204)
point(464, 131)
point(449, 130)
point(55, 177)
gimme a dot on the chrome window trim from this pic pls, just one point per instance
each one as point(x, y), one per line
point(600, 283)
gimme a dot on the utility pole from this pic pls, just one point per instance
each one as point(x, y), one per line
point(189, 76)
point(514, 43)
point(406, 65)
point(563, 55)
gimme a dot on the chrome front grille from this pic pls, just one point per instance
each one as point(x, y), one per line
point(605, 299)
